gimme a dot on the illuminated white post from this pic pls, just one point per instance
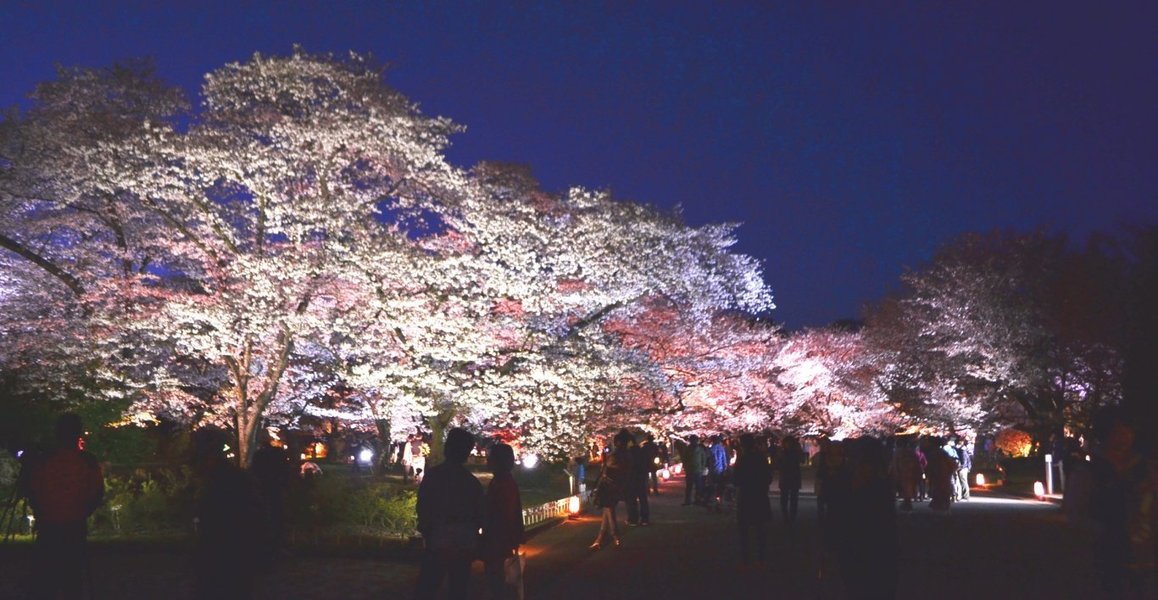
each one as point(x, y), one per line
point(1049, 473)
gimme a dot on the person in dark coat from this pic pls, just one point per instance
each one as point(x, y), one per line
point(638, 508)
point(611, 488)
point(503, 521)
point(752, 476)
point(230, 519)
point(450, 513)
point(63, 489)
point(651, 457)
point(790, 457)
point(863, 524)
point(941, 471)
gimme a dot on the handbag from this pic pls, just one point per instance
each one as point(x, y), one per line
point(513, 568)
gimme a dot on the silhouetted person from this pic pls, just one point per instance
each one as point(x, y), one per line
point(638, 508)
point(942, 472)
point(63, 489)
point(503, 521)
point(753, 475)
point(695, 461)
point(790, 457)
point(863, 521)
point(650, 454)
point(274, 472)
point(230, 517)
point(906, 471)
point(450, 513)
point(1114, 496)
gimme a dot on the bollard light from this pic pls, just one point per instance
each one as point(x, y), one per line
point(981, 480)
point(679, 468)
point(1039, 489)
point(665, 474)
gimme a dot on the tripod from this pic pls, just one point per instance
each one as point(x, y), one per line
point(10, 518)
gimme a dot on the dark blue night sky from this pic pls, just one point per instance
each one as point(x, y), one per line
point(850, 139)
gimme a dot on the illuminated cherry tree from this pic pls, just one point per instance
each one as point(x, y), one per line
point(302, 233)
point(831, 380)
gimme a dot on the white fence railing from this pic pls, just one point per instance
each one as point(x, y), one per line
point(552, 510)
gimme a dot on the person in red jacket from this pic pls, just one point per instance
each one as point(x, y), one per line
point(503, 520)
point(63, 489)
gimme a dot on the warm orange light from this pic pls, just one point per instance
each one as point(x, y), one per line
point(573, 505)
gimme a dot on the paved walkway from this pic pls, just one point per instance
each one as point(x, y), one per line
point(991, 547)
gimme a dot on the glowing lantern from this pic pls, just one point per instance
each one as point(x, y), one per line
point(365, 456)
point(573, 505)
point(981, 480)
point(679, 468)
point(1039, 489)
point(665, 474)
point(530, 461)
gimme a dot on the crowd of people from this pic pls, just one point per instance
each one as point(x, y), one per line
point(859, 486)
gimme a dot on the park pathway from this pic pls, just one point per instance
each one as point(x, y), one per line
point(992, 547)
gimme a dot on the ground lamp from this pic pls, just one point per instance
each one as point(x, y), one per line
point(980, 480)
point(1039, 490)
point(573, 506)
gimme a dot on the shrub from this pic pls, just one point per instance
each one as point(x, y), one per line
point(146, 502)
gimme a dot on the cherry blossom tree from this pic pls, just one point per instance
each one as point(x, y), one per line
point(979, 336)
point(831, 380)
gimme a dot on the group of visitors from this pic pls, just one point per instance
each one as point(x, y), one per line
point(932, 468)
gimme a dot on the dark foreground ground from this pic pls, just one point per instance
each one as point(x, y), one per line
point(991, 547)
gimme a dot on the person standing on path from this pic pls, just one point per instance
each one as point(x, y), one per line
point(753, 475)
point(942, 471)
point(964, 465)
point(638, 509)
point(695, 461)
point(790, 458)
point(906, 471)
point(651, 458)
point(63, 489)
point(611, 488)
point(863, 528)
point(717, 469)
point(450, 513)
point(230, 523)
point(503, 523)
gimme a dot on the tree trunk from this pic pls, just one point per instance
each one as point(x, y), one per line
point(438, 425)
point(384, 446)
